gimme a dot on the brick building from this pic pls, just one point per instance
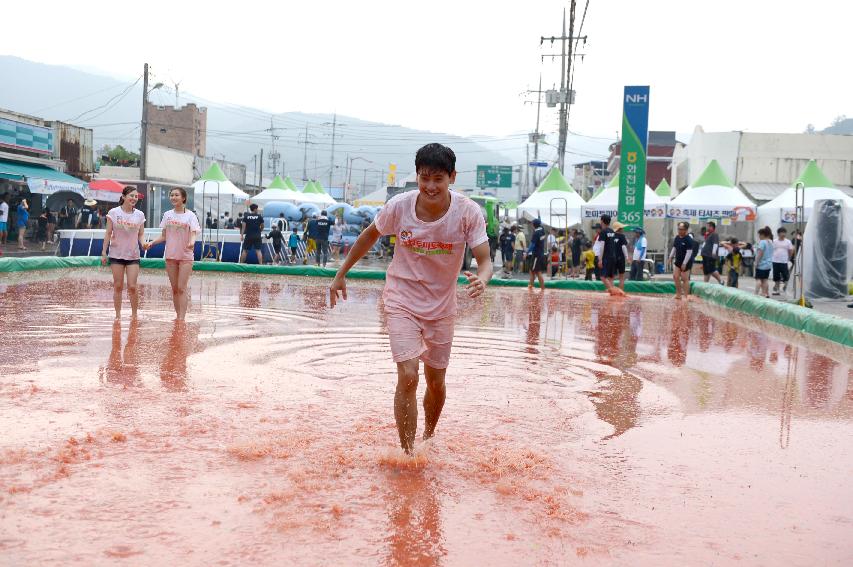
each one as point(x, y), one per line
point(182, 128)
point(659, 163)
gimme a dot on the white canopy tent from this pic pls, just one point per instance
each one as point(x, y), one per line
point(552, 199)
point(606, 202)
point(313, 193)
point(375, 198)
point(816, 186)
point(712, 196)
point(277, 191)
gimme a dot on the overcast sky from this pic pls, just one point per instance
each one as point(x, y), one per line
point(461, 66)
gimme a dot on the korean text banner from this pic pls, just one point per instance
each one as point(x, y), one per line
point(632, 158)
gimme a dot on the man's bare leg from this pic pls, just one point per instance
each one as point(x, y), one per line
point(676, 276)
point(434, 398)
point(406, 403)
point(685, 282)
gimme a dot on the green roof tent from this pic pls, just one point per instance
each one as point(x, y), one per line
point(816, 185)
point(277, 191)
point(548, 198)
point(663, 189)
point(290, 184)
point(213, 173)
point(277, 183)
point(712, 195)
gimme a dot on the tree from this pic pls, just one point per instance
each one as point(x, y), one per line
point(119, 156)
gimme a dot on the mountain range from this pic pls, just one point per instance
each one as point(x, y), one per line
point(112, 108)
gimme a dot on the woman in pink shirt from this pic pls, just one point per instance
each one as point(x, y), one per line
point(432, 226)
point(125, 233)
point(180, 228)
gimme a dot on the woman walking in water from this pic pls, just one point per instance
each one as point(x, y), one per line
point(125, 233)
point(180, 228)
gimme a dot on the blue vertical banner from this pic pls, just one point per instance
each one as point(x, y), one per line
point(632, 158)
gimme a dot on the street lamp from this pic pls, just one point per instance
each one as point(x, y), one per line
point(349, 172)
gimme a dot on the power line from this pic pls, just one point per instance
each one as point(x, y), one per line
point(119, 96)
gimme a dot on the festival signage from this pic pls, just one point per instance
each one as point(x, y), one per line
point(723, 212)
point(632, 158)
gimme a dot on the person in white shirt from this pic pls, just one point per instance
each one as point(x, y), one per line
point(783, 249)
point(4, 218)
point(640, 246)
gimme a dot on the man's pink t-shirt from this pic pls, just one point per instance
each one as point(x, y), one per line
point(177, 228)
point(124, 242)
point(421, 279)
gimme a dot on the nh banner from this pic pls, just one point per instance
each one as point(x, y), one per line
point(632, 158)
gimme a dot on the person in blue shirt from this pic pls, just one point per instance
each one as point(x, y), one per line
point(640, 247)
point(23, 218)
point(763, 261)
point(293, 244)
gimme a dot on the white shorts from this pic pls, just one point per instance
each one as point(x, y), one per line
point(413, 337)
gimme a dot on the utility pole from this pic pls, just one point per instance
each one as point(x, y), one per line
point(527, 171)
point(261, 170)
point(143, 147)
point(255, 167)
point(305, 155)
point(274, 155)
point(332, 166)
point(565, 95)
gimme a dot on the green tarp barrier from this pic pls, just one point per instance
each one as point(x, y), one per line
point(795, 317)
point(803, 319)
point(53, 262)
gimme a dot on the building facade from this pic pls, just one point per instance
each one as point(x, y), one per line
point(661, 148)
point(589, 176)
point(183, 128)
point(764, 164)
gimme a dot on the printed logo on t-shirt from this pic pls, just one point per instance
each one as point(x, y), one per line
point(176, 224)
point(424, 247)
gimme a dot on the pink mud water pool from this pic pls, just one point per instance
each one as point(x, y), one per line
point(578, 429)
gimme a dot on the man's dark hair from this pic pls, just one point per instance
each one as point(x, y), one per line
point(253, 207)
point(605, 219)
point(782, 230)
point(712, 224)
point(684, 225)
point(435, 157)
point(324, 213)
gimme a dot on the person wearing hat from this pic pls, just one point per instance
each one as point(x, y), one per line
point(640, 247)
point(87, 211)
point(68, 215)
point(608, 250)
point(536, 250)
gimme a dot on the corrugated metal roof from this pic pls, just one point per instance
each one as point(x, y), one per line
point(763, 192)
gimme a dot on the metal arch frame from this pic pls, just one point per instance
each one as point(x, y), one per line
point(799, 259)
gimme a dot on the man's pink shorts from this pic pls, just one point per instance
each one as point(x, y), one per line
point(413, 337)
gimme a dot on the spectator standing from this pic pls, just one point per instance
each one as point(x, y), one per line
point(250, 233)
point(537, 253)
point(639, 256)
point(68, 216)
point(577, 250)
point(87, 212)
point(21, 220)
point(293, 243)
point(4, 218)
point(322, 228)
point(763, 261)
point(783, 251)
point(337, 241)
point(507, 243)
point(747, 258)
point(588, 257)
point(518, 247)
point(710, 253)
point(41, 232)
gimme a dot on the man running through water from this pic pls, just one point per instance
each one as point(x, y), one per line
point(607, 250)
point(432, 225)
